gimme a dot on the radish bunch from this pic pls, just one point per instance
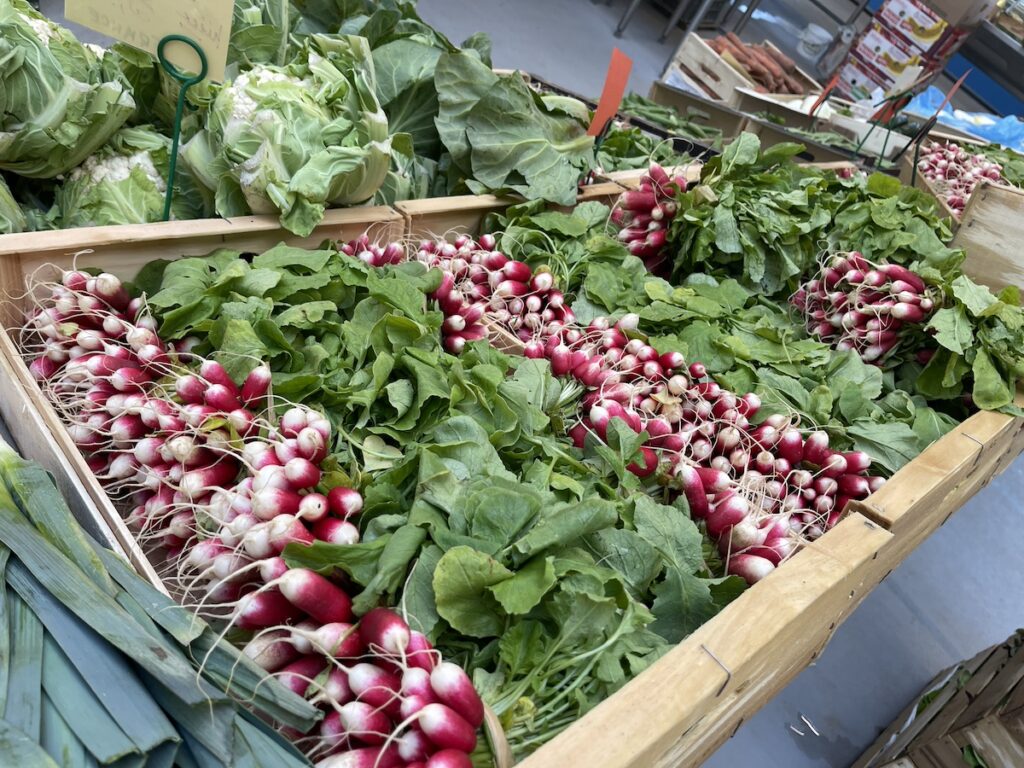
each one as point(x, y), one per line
point(758, 489)
point(645, 213)
point(372, 253)
point(480, 287)
point(854, 304)
point(956, 172)
point(222, 491)
point(389, 699)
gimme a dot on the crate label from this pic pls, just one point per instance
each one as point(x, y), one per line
point(144, 23)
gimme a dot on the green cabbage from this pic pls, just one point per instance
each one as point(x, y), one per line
point(125, 182)
point(58, 102)
point(294, 140)
point(12, 219)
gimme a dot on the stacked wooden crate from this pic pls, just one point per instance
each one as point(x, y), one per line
point(971, 714)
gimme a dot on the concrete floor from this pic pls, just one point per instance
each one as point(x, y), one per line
point(958, 593)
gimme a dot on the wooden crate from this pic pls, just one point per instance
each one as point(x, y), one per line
point(975, 703)
point(725, 671)
point(686, 705)
point(719, 77)
point(719, 116)
point(771, 134)
point(124, 250)
point(464, 214)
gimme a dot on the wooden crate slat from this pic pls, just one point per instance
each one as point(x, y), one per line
point(465, 214)
point(941, 753)
point(994, 743)
point(783, 617)
point(987, 699)
point(1015, 702)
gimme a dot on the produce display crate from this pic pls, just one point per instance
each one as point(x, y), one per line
point(751, 102)
point(771, 134)
point(124, 250)
point(631, 179)
point(684, 706)
point(725, 671)
point(699, 64)
point(725, 119)
point(976, 705)
point(465, 214)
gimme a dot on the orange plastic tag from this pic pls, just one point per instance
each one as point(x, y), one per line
point(614, 89)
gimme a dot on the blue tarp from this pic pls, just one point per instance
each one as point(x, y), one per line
point(1008, 131)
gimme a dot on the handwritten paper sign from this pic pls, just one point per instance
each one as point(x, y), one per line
point(144, 23)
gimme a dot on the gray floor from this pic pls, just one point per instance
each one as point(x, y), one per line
point(959, 592)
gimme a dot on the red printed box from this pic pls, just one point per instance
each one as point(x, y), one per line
point(915, 22)
point(885, 51)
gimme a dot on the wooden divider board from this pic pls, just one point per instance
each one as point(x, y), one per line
point(631, 179)
point(465, 214)
point(771, 134)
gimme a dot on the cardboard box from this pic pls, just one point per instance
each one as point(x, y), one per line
point(885, 50)
point(858, 80)
point(914, 22)
point(964, 14)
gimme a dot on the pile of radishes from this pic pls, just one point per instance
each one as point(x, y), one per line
point(481, 288)
point(389, 699)
point(220, 487)
point(645, 213)
point(955, 171)
point(760, 489)
point(869, 308)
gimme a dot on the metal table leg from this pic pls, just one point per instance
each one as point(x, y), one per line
point(626, 16)
point(697, 17)
point(751, 7)
point(673, 20)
